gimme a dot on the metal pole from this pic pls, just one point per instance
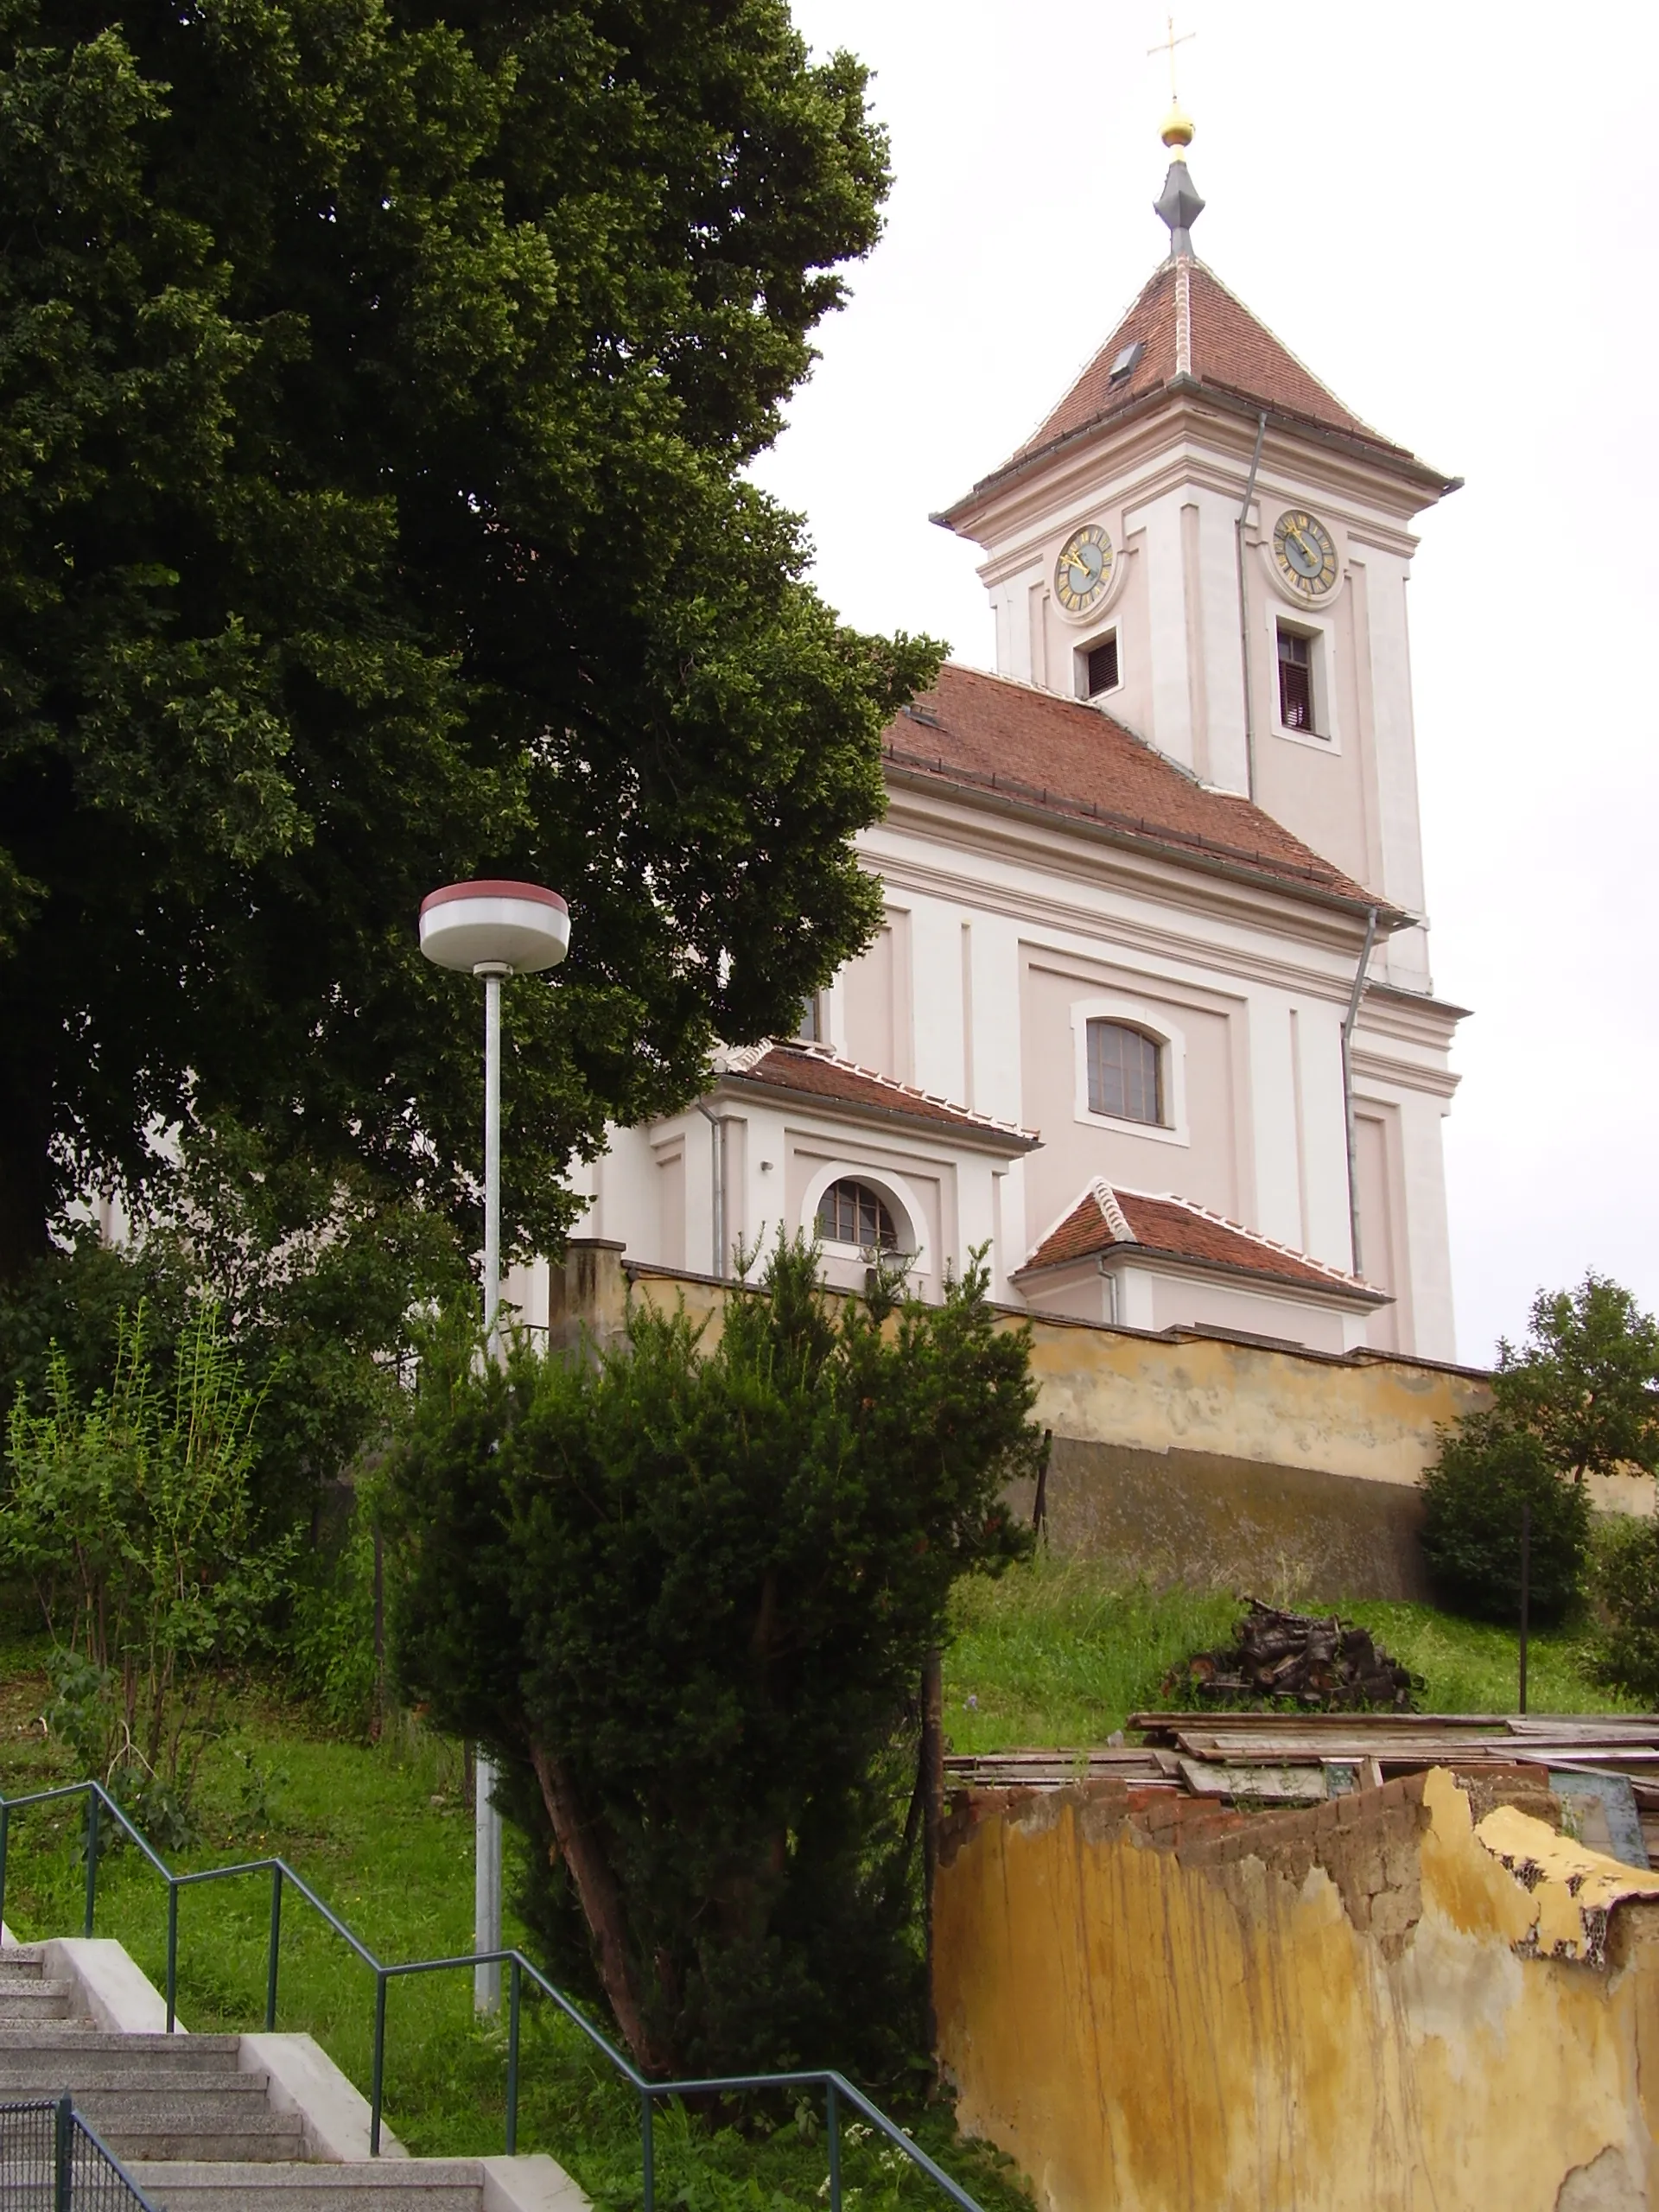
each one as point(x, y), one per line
point(833, 2117)
point(1526, 1591)
point(492, 1159)
point(64, 2154)
point(512, 2058)
point(648, 2153)
point(275, 1938)
point(91, 1857)
point(171, 1956)
point(5, 1839)
point(377, 2073)
point(487, 1821)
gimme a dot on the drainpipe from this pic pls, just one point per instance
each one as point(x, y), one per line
point(1349, 1019)
point(1243, 607)
point(718, 1125)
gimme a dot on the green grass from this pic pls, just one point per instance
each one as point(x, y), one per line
point(1061, 1652)
point(383, 1837)
point(1057, 1653)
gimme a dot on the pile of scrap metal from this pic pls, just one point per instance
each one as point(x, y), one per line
point(1604, 1768)
point(1323, 1664)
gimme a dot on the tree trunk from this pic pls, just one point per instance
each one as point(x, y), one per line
point(601, 1907)
point(932, 1784)
point(25, 1165)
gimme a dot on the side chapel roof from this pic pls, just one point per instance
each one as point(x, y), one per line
point(1108, 1218)
point(993, 733)
point(812, 1071)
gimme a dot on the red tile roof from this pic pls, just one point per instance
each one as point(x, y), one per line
point(1226, 349)
point(990, 733)
point(817, 1073)
point(1107, 1218)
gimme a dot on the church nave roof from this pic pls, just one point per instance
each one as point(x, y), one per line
point(992, 732)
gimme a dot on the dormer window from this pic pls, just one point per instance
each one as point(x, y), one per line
point(1125, 362)
point(1295, 680)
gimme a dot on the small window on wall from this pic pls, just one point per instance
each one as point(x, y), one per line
point(1296, 681)
point(1100, 667)
point(1125, 1073)
point(810, 1030)
point(852, 1213)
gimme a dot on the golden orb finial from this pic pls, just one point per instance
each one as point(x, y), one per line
point(1177, 133)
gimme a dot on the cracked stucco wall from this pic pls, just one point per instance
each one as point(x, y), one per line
point(1418, 1997)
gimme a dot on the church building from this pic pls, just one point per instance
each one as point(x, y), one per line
point(1150, 1014)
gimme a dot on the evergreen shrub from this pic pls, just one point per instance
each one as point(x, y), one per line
point(684, 1595)
point(1625, 1655)
point(1488, 1468)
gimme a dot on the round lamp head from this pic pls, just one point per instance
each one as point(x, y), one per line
point(488, 925)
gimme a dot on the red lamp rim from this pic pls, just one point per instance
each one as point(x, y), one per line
point(494, 887)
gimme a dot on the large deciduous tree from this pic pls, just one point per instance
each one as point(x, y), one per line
point(684, 1597)
point(375, 392)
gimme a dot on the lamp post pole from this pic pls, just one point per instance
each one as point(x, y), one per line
point(486, 1818)
point(491, 929)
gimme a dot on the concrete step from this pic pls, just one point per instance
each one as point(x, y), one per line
point(23, 2001)
point(22, 1958)
point(379, 2186)
point(219, 2053)
point(266, 2138)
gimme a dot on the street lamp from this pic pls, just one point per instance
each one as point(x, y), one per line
point(493, 929)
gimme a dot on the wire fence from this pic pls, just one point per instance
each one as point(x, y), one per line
point(51, 2160)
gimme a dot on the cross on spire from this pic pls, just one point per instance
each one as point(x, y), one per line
point(1167, 44)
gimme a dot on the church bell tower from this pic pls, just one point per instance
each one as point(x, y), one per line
point(1203, 542)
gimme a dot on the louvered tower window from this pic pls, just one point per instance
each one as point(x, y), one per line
point(1102, 666)
point(1125, 1073)
point(1295, 680)
point(852, 1213)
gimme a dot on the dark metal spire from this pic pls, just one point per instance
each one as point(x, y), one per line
point(1180, 206)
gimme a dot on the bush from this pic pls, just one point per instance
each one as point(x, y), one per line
point(132, 1519)
point(1487, 1470)
point(1625, 1656)
point(685, 1598)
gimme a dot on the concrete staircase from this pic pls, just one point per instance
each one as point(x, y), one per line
point(201, 2127)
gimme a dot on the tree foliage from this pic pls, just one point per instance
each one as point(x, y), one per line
point(1585, 1381)
point(130, 1517)
point(375, 392)
point(1487, 1470)
point(684, 1595)
point(318, 1277)
point(1625, 1653)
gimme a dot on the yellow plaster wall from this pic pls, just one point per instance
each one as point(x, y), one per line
point(1373, 1419)
point(1143, 2033)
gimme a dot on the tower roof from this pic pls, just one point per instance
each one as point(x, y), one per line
point(1187, 332)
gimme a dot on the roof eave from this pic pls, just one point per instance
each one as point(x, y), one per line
point(1346, 1293)
point(918, 776)
point(1395, 459)
point(979, 1135)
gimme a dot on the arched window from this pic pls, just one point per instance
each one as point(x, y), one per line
point(852, 1213)
point(1125, 1072)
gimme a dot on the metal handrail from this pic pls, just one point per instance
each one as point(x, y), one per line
point(838, 2089)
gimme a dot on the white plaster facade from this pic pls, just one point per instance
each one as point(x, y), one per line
point(1011, 922)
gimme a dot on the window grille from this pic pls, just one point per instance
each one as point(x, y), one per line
point(1102, 666)
point(1295, 680)
point(1125, 1072)
point(852, 1213)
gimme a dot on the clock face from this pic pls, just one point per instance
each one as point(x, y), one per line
point(1083, 569)
point(1306, 558)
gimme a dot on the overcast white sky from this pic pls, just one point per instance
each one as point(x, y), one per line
point(1449, 210)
